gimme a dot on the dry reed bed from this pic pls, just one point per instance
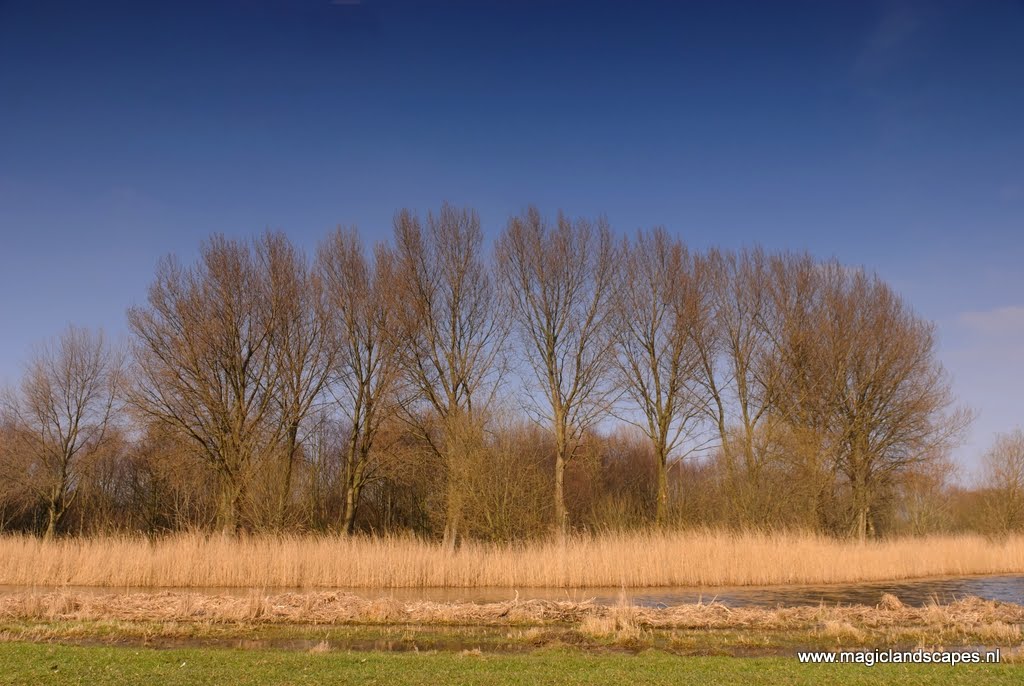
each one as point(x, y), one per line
point(331, 608)
point(702, 558)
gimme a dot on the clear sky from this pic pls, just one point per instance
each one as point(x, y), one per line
point(888, 134)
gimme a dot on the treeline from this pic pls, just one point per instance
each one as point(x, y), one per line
point(565, 379)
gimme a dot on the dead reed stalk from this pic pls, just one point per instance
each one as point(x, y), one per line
point(1000, 622)
point(693, 558)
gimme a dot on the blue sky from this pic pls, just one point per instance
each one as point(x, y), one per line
point(888, 134)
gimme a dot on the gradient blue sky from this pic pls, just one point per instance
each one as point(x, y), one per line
point(888, 134)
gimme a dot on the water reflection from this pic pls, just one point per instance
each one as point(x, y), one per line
point(917, 593)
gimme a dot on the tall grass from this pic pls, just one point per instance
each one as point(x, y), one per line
point(696, 558)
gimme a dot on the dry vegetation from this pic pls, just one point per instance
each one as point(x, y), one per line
point(634, 560)
point(890, 622)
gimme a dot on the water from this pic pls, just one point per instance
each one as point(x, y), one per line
point(919, 592)
point(916, 593)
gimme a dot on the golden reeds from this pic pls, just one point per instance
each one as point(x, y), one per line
point(695, 558)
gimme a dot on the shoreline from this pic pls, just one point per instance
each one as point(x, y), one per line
point(356, 590)
point(347, 622)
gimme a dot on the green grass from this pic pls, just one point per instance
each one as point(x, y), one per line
point(725, 642)
point(30, 663)
point(456, 638)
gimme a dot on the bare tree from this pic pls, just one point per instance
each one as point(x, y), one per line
point(357, 296)
point(658, 357)
point(504, 470)
point(558, 284)
point(62, 416)
point(893, 405)
point(206, 364)
point(922, 497)
point(447, 329)
point(12, 495)
point(736, 359)
point(1003, 476)
point(300, 345)
point(799, 355)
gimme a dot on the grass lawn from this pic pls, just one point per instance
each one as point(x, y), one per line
point(31, 663)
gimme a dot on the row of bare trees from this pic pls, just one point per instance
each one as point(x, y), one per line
point(60, 418)
point(435, 384)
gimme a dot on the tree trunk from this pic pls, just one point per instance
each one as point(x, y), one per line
point(662, 512)
point(230, 509)
point(52, 517)
point(862, 523)
point(561, 526)
point(451, 532)
point(453, 513)
point(860, 500)
point(561, 513)
point(352, 482)
point(351, 501)
point(286, 489)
